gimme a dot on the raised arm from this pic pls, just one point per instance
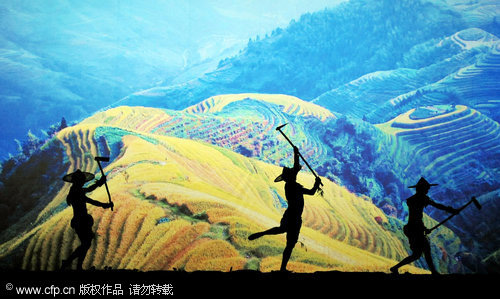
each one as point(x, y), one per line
point(315, 188)
point(296, 159)
point(98, 183)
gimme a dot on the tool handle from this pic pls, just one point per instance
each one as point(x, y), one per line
point(451, 216)
point(300, 155)
point(105, 184)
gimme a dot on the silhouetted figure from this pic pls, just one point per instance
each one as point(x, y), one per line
point(82, 222)
point(415, 229)
point(292, 218)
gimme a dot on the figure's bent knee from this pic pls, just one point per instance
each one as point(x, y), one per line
point(416, 253)
point(281, 229)
point(291, 240)
point(87, 242)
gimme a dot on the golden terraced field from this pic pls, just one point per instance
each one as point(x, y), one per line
point(189, 205)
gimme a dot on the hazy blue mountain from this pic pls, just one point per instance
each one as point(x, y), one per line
point(319, 52)
point(460, 69)
point(71, 58)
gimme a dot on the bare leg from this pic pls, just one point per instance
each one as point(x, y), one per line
point(428, 258)
point(407, 260)
point(82, 253)
point(286, 255)
point(292, 237)
point(272, 231)
point(67, 262)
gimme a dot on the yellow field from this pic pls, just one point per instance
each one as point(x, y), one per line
point(183, 204)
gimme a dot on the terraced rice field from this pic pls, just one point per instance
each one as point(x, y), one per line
point(466, 74)
point(190, 203)
point(449, 143)
point(243, 123)
point(477, 84)
point(183, 204)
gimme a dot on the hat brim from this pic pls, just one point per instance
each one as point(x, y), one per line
point(430, 185)
point(70, 178)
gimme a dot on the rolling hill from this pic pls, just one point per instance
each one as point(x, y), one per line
point(244, 123)
point(357, 157)
point(190, 205)
point(350, 152)
point(375, 161)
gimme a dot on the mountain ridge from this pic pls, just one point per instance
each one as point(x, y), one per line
point(336, 60)
point(379, 96)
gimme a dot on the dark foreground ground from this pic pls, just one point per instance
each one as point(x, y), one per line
point(240, 284)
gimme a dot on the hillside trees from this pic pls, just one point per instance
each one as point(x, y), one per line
point(361, 159)
point(21, 187)
point(326, 49)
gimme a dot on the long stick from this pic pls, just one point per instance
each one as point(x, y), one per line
point(105, 183)
point(473, 200)
point(314, 173)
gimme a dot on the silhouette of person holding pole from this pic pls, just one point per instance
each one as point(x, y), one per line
point(292, 218)
point(82, 222)
point(415, 229)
